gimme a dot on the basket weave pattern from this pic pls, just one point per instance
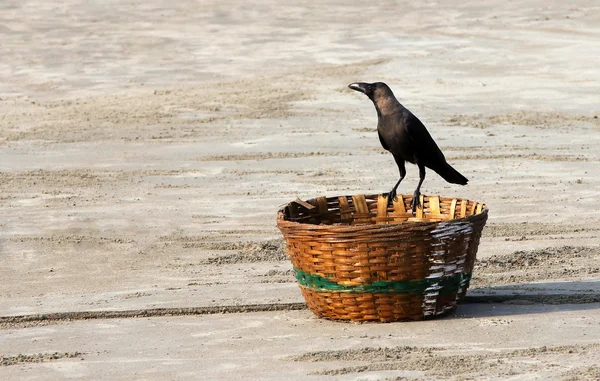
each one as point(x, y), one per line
point(357, 259)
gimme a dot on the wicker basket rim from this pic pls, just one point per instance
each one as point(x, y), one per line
point(281, 221)
point(379, 227)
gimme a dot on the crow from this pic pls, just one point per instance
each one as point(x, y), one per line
point(403, 134)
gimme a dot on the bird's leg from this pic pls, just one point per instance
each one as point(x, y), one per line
point(392, 194)
point(417, 195)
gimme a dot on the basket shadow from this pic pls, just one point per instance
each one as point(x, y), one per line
point(531, 298)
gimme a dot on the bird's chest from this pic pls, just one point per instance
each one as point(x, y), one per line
point(396, 139)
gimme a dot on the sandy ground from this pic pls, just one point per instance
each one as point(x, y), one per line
point(146, 145)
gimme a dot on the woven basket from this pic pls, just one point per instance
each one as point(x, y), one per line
point(357, 259)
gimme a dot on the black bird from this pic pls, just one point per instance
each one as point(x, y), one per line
point(403, 134)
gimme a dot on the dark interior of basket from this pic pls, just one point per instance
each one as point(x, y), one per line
point(374, 209)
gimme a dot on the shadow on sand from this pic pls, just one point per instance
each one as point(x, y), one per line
point(531, 298)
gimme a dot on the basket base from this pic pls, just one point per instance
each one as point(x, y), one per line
point(382, 307)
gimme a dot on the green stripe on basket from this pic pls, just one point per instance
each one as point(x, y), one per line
point(444, 285)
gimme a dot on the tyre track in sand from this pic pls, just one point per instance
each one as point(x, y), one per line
point(24, 321)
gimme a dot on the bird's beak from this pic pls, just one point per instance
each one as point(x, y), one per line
point(359, 86)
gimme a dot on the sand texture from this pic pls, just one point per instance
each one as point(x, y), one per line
point(146, 146)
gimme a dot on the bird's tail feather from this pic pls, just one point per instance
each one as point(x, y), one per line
point(451, 175)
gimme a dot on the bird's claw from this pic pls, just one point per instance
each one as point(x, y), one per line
point(415, 203)
point(391, 197)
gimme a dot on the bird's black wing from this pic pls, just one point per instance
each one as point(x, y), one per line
point(426, 151)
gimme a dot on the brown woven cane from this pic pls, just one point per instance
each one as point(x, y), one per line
point(357, 259)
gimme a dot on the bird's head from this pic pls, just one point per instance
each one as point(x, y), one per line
point(381, 95)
